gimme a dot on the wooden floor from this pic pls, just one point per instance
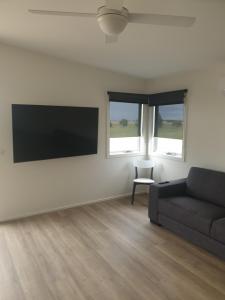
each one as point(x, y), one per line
point(103, 251)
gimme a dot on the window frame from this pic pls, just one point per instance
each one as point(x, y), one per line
point(142, 152)
point(167, 156)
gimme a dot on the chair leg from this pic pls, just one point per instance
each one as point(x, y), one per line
point(133, 192)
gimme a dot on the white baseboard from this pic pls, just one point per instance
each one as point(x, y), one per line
point(59, 208)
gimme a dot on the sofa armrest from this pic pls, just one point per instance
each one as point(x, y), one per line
point(164, 190)
point(171, 188)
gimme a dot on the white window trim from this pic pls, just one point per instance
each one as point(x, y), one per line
point(123, 154)
point(166, 156)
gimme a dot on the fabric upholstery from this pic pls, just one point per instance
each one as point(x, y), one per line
point(194, 208)
point(194, 236)
point(191, 212)
point(172, 188)
point(206, 185)
point(169, 189)
point(218, 230)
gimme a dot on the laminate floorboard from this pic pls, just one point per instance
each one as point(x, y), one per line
point(103, 251)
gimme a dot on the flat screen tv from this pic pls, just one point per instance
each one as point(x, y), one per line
point(45, 132)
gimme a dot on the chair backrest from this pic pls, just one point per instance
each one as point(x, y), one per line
point(144, 164)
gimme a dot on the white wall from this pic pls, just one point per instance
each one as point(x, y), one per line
point(205, 134)
point(32, 187)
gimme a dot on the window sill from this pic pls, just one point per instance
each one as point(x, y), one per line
point(166, 156)
point(125, 154)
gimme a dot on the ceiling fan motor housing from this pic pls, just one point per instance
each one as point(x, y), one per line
point(112, 21)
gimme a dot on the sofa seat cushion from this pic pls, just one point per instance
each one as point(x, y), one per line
point(218, 230)
point(191, 212)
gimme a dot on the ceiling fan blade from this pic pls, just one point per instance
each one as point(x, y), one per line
point(166, 20)
point(110, 39)
point(61, 13)
point(114, 4)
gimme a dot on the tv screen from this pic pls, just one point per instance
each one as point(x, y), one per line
point(45, 132)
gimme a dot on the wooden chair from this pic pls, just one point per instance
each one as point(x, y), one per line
point(142, 164)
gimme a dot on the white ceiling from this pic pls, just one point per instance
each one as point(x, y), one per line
point(142, 50)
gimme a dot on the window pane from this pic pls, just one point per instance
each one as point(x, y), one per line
point(169, 121)
point(125, 145)
point(169, 147)
point(124, 120)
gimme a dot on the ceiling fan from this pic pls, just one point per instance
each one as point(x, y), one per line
point(113, 18)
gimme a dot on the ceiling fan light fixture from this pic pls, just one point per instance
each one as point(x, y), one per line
point(113, 18)
point(111, 21)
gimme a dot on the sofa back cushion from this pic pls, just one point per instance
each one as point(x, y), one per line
point(206, 185)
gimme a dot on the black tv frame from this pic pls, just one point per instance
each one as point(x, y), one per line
point(16, 107)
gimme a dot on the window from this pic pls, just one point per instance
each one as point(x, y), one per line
point(125, 128)
point(169, 130)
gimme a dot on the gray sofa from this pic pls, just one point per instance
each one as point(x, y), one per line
point(193, 208)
